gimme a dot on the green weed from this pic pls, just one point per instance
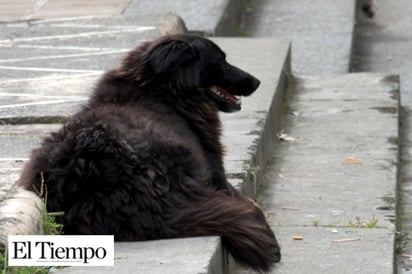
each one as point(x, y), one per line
point(371, 223)
point(50, 226)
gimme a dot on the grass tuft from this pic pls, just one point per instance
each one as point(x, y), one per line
point(50, 226)
point(371, 223)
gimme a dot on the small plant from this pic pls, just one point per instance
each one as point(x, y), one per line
point(315, 223)
point(401, 237)
point(254, 172)
point(371, 223)
point(401, 242)
point(357, 222)
point(5, 269)
point(242, 31)
point(246, 6)
point(3, 260)
point(50, 226)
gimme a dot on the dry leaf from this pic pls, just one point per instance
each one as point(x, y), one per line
point(352, 161)
point(283, 136)
point(297, 238)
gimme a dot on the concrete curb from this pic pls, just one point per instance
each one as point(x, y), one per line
point(209, 18)
point(229, 21)
point(272, 127)
point(172, 24)
point(20, 214)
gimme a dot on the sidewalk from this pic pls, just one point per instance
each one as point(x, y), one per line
point(333, 179)
point(334, 169)
point(38, 9)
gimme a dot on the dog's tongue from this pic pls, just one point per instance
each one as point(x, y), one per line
point(225, 95)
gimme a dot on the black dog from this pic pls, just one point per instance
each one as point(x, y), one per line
point(143, 159)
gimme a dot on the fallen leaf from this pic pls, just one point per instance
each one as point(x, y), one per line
point(352, 161)
point(297, 238)
point(283, 136)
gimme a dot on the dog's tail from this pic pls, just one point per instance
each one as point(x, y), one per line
point(239, 221)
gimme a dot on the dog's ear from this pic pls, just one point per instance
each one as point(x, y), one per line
point(176, 61)
point(169, 56)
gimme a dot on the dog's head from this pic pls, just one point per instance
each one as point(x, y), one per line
point(189, 65)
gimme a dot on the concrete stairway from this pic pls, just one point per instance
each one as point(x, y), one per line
point(331, 180)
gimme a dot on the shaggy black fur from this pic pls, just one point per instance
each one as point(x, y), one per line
point(143, 159)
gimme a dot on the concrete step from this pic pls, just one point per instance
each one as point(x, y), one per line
point(248, 137)
point(332, 179)
point(217, 17)
point(179, 256)
point(321, 33)
point(380, 45)
point(41, 59)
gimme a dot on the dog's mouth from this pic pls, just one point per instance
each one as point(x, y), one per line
point(234, 103)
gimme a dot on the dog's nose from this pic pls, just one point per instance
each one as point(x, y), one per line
point(255, 84)
point(276, 254)
point(250, 85)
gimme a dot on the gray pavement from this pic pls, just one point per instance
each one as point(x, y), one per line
point(335, 166)
point(334, 177)
point(40, 9)
point(41, 59)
